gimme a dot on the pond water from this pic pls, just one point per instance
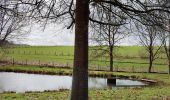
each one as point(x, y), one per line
point(20, 82)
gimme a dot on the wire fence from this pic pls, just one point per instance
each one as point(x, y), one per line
point(68, 62)
point(98, 67)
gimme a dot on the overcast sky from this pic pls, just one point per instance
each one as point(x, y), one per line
point(57, 35)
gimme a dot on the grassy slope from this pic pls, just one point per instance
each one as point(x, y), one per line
point(159, 92)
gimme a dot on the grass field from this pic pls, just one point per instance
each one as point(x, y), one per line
point(132, 58)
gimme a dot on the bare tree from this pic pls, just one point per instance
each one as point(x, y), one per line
point(149, 38)
point(106, 37)
point(167, 46)
point(10, 23)
point(165, 37)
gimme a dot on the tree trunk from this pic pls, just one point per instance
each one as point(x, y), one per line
point(169, 56)
point(111, 58)
point(150, 66)
point(169, 50)
point(150, 59)
point(80, 71)
point(169, 67)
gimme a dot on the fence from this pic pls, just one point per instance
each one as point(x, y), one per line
point(68, 64)
point(98, 67)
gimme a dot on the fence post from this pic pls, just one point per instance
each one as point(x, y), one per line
point(39, 62)
point(13, 61)
point(26, 62)
point(53, 63)
point(133, 69)
point(67, 64)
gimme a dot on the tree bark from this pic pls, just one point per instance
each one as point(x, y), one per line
point(169, 50)
point(150, 59)
point(111, 58)
point(169, 66)
point(80, 71)
point(150, 66)
point(169, 55)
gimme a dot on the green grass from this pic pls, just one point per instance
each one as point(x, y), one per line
point(127, 57)
point(35, 69)
point(120, 94)
point(58, 95)
point(159, 92)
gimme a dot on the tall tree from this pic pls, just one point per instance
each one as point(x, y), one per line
point(149, 38)
point(107, 36)
point(165, 37)
point(80, 71)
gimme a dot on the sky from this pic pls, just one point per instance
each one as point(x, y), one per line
point(55, 35)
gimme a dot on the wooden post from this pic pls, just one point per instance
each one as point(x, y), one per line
point(133, 69)
point(39, 62)
point(26, 62)
point(53, 63)
point(67, 65)
point(13, 62)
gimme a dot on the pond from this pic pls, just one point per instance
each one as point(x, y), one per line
point(22, 82)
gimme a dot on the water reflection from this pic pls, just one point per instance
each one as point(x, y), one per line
point(20, 82)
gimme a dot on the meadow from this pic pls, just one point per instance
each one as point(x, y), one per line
point(126, 58)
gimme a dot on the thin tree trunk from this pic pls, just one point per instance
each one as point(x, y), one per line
point(169, 59)
point(169, 55)
point(169, 66)
point(169, 50)
point(150, 66)
point(150, 60)
point(111, 58)
point(80, 71)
